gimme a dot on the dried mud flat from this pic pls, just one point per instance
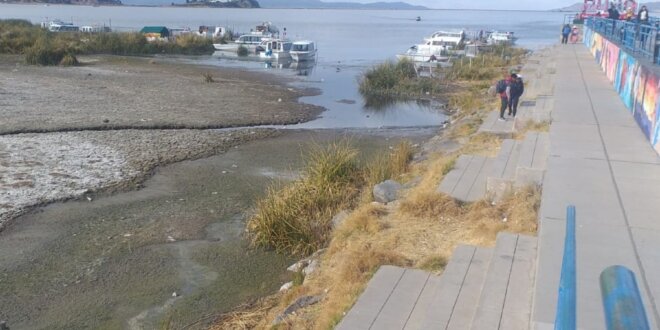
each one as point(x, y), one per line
point(122, 92)
point(105, 125)
point(39, 168)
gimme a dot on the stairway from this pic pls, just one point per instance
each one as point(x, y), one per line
point(481, 288)
point(519, 163)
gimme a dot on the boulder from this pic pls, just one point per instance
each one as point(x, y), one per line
point(312, 267)
point(386, 191)
point(286, 286)
point(338, 219)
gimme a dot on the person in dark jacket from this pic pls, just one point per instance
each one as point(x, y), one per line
point(565, 31)
point(643, 15)
point(516, 89)
point(505, 95)
point(613, 13)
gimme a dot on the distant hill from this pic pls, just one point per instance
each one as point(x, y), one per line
point(317, 4)
point(219, 3)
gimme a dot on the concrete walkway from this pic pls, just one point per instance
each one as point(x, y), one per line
point(600, 162)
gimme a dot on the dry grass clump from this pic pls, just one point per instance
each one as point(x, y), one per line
point(390, 165)
point(208, 77)
point(297, 218)
point(531, 125)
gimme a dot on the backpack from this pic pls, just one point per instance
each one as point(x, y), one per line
point(500, 87)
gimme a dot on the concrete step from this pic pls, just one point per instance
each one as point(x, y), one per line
point(436, 304)
point(467, 181)
point(468, 298)
point(502, 172)
point(493, 294)
point(532, 162)
point(492, 125)
point(518, 302)
point(537, 110)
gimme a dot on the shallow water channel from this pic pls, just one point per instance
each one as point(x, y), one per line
point(170, 253)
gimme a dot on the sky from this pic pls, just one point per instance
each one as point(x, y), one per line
point(483, 4)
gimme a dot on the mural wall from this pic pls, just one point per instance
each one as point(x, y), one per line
point(635, 83)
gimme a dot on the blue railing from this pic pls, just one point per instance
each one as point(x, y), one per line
point(566, 303)
point(637, 38)
point(621, 299)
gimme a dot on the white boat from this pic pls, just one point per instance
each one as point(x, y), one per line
point(496, 37)
point(303, 51)
point(59, 26)
point(263, 31)
point(274, 49)
point(435, 48)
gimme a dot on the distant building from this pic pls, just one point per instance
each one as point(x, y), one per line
point(155, 32)
point(94, 29)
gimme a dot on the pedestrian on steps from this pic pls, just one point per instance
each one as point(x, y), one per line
point(517, 88)
point(503, 89)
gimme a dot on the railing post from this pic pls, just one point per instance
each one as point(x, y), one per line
point(566, 303)
point(621, 300)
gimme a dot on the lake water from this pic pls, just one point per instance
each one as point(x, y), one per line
point(349, 42)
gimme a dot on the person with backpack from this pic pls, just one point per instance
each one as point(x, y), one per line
point(517, 88)
point(565, 31)
point(502, 87)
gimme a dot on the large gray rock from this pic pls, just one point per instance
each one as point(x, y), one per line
point(386, 191)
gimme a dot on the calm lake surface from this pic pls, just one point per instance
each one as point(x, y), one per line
point(349, 42)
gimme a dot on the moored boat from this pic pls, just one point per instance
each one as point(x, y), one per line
point(304, 50)
point(274, 49)
point(496, 37)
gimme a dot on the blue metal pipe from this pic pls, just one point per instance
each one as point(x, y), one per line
point(566, 303)
point(621, 300)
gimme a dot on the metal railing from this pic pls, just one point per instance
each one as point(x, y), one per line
point(565, 318)
point(622, 302)
point(637, 38)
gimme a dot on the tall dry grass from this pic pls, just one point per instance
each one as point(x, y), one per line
point(297, 218)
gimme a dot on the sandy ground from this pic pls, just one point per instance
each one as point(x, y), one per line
point(125, 92)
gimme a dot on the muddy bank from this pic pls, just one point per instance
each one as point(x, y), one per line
point(116, 261)
point(40, 168)
point(111, 92)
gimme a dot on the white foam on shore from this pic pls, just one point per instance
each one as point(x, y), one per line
point(38, 168)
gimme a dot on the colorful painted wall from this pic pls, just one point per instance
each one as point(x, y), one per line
point(636, 84)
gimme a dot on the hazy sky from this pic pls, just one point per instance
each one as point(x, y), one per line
point(484, 4)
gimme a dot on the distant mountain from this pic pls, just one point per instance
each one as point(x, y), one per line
point(317, 4)
point(219, 3)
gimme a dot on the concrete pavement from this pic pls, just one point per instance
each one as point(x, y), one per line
point(600, 162)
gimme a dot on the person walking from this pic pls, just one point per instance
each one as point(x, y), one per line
point(503, 88)
point(517, 88)
point(643, 15)
point(613, 13)
point(565, 31)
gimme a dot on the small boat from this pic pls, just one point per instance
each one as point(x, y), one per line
point(274, 49)
point(303, 51)
point(418, 18)
point(263, 31)
point(59, 26)
point(436, 48)
point(496, 37)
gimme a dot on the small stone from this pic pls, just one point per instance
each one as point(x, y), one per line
point(386, 191)
point(224, 172)
point(286, 286)
point(311, 268)
point(170, 239)
point(89, 198)
point(174, 294)
point(298, 266)
point(505, 219)
point(234, 166)
point(106, 121)
point(214, 193)
point(279, 100)
point(128, 235)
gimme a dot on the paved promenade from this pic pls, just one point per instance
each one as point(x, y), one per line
point(600, 162)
